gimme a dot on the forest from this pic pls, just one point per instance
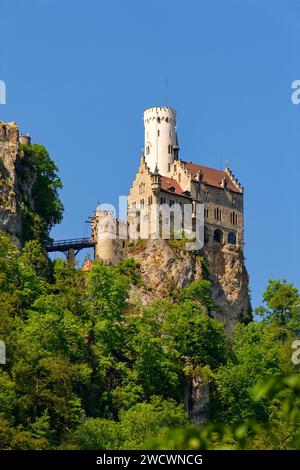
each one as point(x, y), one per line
point(87, 370)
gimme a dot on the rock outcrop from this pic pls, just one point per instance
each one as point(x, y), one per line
point(16, 180)
point(166, 266)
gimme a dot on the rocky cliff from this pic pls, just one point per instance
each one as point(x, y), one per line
point(166, 266)
point(16, 180)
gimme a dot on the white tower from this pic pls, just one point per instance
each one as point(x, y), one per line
point(161, 146)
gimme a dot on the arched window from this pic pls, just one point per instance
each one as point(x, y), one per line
point(232, 238)
point(218, 236)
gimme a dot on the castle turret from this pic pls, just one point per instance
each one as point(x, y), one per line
point(160, 138)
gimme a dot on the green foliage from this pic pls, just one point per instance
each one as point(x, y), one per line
point(146, 420)
point(140, 422)
point(199, 291)
point(45, 209)
point(98, 434)
point(282, 300)
point(86, 371)
point(281, 431)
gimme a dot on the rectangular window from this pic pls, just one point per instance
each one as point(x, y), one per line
point(217, 214)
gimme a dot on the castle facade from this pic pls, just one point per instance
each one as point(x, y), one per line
point(164, 179)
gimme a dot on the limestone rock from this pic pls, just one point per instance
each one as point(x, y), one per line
point(166, 266)
point(16, 180)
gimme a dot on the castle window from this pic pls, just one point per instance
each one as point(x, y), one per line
point(134, 205)
point(217, 214)
point(233, 218)
point(158, 132)
point(158, 120)
point(123, 243)
point(206, 213)
point(172, 202)
point(218, 236)
point(179, 177)
point(206, 196)
point(149, 200)
point(142, 203)
point(232, 238)
point(148, 150)
point(162, 200)
point(206, 235)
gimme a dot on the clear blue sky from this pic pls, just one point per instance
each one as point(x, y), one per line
point(80, 73)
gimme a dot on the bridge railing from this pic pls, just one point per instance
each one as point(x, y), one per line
point(71, 241)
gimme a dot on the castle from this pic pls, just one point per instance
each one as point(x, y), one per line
point(164, 179)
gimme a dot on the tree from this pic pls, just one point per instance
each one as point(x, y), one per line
point(148, 420)
point(99, 434)
point(44, 209)
point(281, 299)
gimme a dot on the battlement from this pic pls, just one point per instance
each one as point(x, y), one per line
point(160, 114)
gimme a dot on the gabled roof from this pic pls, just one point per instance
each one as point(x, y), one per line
point(211, 176)
point(172, 186)
point(87, 265)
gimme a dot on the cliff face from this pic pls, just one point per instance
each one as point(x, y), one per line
point(166, 266)
point(16, 180)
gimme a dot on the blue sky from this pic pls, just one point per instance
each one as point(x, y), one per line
point(80, 73)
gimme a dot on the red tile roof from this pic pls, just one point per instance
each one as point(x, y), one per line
point(211, 176)
point(168, 183)
point(87, 265)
